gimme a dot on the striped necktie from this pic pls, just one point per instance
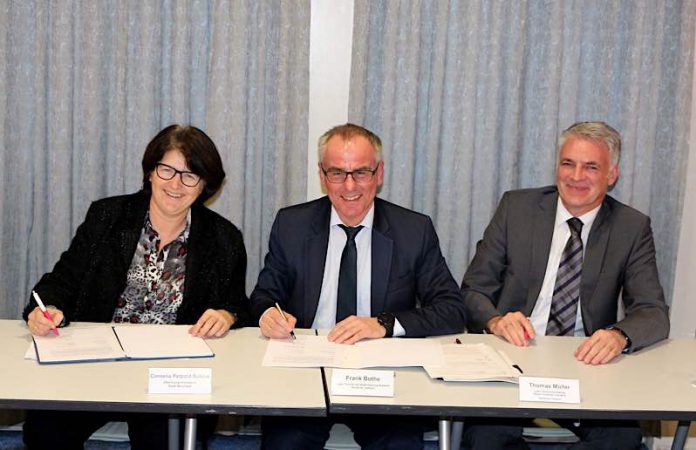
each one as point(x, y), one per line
point(566, 291)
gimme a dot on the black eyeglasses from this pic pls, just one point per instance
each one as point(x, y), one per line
point(167, 172)
point(360, 176)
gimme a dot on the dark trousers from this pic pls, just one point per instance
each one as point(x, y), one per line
point(491, 434)
point(68, 430)
point(370, 432)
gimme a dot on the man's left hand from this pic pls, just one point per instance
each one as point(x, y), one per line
point(213, 323)
point(353, 329)
point(601, 347)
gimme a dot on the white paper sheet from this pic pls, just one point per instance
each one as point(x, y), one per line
point(161, 341)
point(101, 343)
point(473, 362)
point(317, 351)
point(78, 344)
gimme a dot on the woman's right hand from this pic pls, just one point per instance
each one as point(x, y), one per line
point(40, 325)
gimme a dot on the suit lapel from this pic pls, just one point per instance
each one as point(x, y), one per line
point(131, 227)
point(195, 247)
point(316, 245)
point(541, 246)
point(595, 250)
point(382, 247)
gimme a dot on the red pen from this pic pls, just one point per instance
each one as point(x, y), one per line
point(46, 314)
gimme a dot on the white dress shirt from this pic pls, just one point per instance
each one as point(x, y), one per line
point(325, 319)
point(561, 233)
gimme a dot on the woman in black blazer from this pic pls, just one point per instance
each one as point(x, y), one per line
point(156, 256)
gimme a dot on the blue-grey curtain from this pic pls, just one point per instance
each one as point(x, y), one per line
point(470, 97)
point(85, 85)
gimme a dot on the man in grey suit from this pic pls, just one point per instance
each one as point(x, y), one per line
point(401, 285)
point(555, 261)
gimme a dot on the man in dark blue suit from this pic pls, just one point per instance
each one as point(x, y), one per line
point(401, 285)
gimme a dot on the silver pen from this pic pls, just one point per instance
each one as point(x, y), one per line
point(282, 314)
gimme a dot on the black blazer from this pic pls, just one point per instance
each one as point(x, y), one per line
point(508, 269)
point(90, 275)
point(409, 275)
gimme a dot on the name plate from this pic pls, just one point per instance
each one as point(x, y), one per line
point(179, 380)
point(557, 390)
point(370, 383)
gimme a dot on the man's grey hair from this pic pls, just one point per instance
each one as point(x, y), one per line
point(347, 131)
point(598, 132)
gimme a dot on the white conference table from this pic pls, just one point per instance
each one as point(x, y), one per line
point(651, 384)
point(240, 384)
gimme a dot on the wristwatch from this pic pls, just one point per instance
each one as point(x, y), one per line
point(629, 344)
point(387, 321)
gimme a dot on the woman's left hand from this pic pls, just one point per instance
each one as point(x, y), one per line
point(213, 323)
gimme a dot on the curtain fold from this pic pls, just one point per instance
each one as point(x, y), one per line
point(86, 85)
point(470, 97)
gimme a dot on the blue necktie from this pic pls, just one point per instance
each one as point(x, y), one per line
point(348, 276)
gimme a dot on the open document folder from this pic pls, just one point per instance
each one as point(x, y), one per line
point(317, 351)
point(110, 343)
point(474, 362)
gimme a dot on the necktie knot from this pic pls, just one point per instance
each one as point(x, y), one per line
point(351, 232)
point(575, 225)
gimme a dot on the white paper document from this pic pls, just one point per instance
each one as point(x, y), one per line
point(317, 351)
point(161, 342)
point(473, 362)
point(107, 343)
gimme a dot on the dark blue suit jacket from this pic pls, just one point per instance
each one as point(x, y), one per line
point(409, 275)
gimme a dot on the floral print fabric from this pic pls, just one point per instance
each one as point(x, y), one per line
point(155, 280)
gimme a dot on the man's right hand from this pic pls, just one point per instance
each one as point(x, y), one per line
point(274, 326)
point(514, 327)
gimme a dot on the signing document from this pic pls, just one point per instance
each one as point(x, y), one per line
point(110, 343)
point(474, 362)
point(317, 351)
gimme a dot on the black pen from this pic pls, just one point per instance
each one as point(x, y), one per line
point(282, 314)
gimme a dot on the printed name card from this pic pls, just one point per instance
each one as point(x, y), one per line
point(557, 390)
point(371, 383)
point(179, 380)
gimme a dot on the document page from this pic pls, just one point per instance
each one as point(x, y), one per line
point(107, 343)
point(317, 351)
point(78, 344)
point(396, 353)
point(161, 341)
point(473, 362)
point(305, 351)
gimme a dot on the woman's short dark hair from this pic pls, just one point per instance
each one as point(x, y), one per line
point(199, 151)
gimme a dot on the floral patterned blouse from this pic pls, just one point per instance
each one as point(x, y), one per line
point(155, 282)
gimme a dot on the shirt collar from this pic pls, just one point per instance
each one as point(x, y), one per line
point(366, 222)
point(562, 215)
point(183, 236)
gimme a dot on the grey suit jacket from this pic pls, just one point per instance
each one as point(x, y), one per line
point(409, 275)
point(510, 262)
